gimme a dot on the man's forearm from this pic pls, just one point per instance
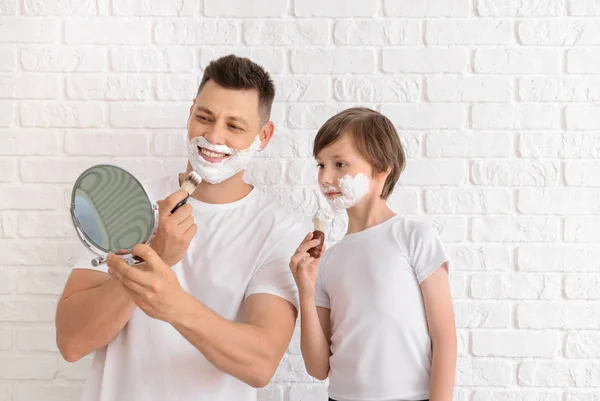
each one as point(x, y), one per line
point(241, 350)
point(90, 319)
point(443, 369)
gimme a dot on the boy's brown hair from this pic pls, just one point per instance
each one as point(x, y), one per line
point(233, 72)
point(375, 137)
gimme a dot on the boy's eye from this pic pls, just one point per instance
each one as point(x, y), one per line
point(340, 164)
point(319, 165)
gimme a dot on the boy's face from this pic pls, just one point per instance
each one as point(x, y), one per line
point(342, 159)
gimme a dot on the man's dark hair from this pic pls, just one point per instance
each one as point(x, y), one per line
point(233, 72)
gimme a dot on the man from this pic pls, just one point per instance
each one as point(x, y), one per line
point(210, 313)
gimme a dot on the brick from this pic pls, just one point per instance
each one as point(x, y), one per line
point(514, 229)
point(27, 311)
point(28, 367)
point(582, 286)
point(8, 58)
point(31, 143)
point(163, 8)
point(53, 392)
point(468, 32)
point(7, 113)
point(29, 86)
point(584, 8)
point(517, 61)
point(286, 33)
point(266, 172)
point(521, 116)
point(450, 229)
point(377, 89)
point(34, 282)
point(109, 143)
point(559, 33)
point(558, 259)
point(516, 344)
point(582, 344)
point(404, 201)
point(514, 174)
point(36, 339)
point(554, 315)
point(481, 315)
point(559, 89)
point(177, 87)
point(124, 87)
point(270, 393)
point(292, 369)
point(559, 201)
point(520, 8)
point(302, 201)
point(167, 143)
point(412, 143)
point(369, 32)
point(468, 145)
point(431, 172)
point(8, 170)
point(426, 116)
point(256, 8)
point(8, 225)
point(583, 117)
point(582, 396)
point(146, 169)
point(311, 116)
point(44, 225)
point(144, 59)
point(583, 61)
point(584, 173)
point(559, 374)
point(63, 59)
point(430, 60)
point(29, 197)
point(74, 370)
point(196, 32)
point(6, 341)
point(571, 145)
point(458, 200)
point(8, 7)
point(518, 287)
point(148, 115)
point(333, 61)
point(479, 258)
point(473, 372)
point(29, 30)
point(107, 31)
point(426, 8)
point(272, 59)
point(335, 8)
point(459, 289)
point(65, 7)
point(581, 229)
point(308, 392)
point(7, 286)
point(61, 114)
point(516, 395)
point(301, 89)
point(469, 89)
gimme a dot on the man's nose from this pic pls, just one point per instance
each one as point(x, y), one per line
point(213, 134)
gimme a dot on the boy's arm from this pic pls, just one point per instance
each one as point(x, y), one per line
point(440, 320)
point(315, 338)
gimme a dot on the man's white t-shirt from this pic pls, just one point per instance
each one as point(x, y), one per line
point(241, 248)
point(380, 344)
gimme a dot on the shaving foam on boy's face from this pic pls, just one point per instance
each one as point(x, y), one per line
point(352, 189)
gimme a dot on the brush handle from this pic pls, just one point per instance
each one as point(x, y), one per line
point(181, 203)
point(315, 252)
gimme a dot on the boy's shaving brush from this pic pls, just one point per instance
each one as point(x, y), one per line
point(321, 223)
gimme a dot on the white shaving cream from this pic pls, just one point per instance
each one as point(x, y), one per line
point(352, 189)
point(215, 173)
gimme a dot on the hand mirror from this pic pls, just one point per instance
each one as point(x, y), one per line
point(112, 212)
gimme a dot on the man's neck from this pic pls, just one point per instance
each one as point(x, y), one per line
point(230, 190)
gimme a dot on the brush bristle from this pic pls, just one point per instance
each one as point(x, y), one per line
point(321, 221)
point(191, 182)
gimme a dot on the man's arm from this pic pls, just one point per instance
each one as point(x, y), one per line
point(440, 319)
point(92, 310)
point(249, 351)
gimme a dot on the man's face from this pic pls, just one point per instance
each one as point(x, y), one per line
point(225, 117)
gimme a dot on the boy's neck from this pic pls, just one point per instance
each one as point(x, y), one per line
point(367, 214)
point(230, 190)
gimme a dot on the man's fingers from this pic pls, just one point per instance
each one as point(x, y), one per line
point(186, 223)
point(165, 206)
point(182, 213)
point(126, 271)
point(147, 254)
point(131, 286)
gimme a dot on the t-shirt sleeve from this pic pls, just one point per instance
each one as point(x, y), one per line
point(274, 275)
point(427, 251)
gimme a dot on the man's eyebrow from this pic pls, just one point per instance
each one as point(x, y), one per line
point(205, 110)
point(238, 119)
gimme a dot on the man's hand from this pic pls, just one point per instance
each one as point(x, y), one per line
point(175, 231)
point(152, 285)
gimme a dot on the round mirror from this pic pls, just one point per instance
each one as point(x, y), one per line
point(111, 211)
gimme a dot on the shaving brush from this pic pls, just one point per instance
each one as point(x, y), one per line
point(321, 222)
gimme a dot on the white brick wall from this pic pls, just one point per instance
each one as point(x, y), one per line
point(497, 102)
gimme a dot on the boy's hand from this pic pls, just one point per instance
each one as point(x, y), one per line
point(305, 268)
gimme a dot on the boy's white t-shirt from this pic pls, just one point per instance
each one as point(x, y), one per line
point(241, 248)
point(380, 344)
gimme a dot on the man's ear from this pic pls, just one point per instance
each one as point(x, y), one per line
point(266, 133)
